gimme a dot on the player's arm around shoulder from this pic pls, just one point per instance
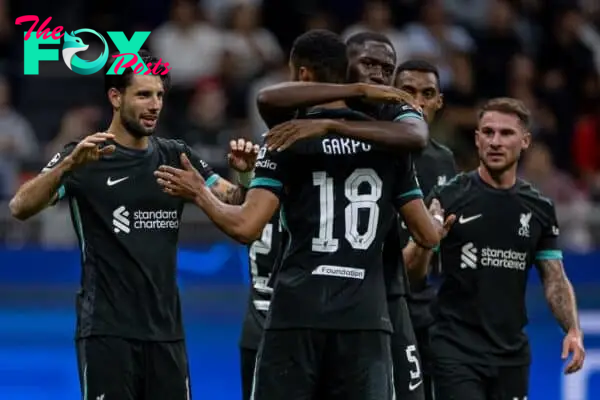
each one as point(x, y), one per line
point(50, 185)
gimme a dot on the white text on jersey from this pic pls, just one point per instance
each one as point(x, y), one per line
point(341, 146)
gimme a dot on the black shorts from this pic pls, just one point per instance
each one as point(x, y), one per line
point(307, 364)
point(122, 369)
point(426, 353)
point(247, 364)
point(408, 378)
point(466, 381)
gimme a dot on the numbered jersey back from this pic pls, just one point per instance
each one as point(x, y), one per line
point(338, 201)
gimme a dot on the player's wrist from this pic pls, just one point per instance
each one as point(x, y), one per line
point(245, 178)
point(575, 332)
point(67, 164)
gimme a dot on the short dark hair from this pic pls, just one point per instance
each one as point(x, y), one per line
point(507, 105)
point(360, 38)
point(324, 53)
point(121, 82)
point(419, 66)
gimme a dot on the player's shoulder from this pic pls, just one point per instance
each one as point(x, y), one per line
point(397, 112)
point(455, 190)
point(441, 150)
point(169, 144)
point(536, 199)
point(460, 182)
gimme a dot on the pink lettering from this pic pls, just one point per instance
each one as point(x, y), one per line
point(43, 30)
point(56, 33)
point(155, 70)
point(148, 71)
point(138, 68)
point(128, 64)
point(166, 70)
point(28, 18)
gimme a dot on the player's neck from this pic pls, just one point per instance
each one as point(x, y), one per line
point(126, 139)
point(503, 180)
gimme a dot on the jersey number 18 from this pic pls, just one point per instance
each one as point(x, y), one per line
point(325, 242)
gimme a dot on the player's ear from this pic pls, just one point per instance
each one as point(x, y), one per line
point(526, 141)
point(114, 96)
point(305, 75)
point(477, 137)
point(440, 102)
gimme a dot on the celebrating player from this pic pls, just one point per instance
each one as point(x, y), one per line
point(372, 60)
point(479, 346)
point(434, 166)
point(328, 328)
point(130, 340)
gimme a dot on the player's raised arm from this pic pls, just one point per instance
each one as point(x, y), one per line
point(241, 157)
point(244, 222)
point(49, 186)
point(560, 295)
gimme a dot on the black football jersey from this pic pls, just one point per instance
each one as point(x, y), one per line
point(339, 198)
point(262, 257)
point(396, 280)
point(480, 307)
point(128, 229)
point(435, 166)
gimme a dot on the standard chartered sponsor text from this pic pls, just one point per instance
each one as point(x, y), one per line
point(498, 258)
point(157, 219)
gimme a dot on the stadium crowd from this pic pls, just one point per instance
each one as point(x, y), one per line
point(546, 53)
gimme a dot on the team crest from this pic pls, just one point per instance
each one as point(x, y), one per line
point(524, 221)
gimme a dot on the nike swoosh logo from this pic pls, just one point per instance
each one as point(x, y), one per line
point(413, 386)
point(463, 220)
point(110, 182)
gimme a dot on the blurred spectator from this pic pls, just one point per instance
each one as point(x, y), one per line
point(586, 149)
point(17, 142)
point(377, 17)
point(190, 45)
point(250, 51)
point(253, 49)
point(256, 124)
point(539, 170)
point(435, 39)
point(497, 45)
point(460, 112)
point(472, 13)
point(75, 124)
point(206, 128)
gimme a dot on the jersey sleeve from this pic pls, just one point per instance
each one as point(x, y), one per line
point(406, 111)
point(547, 248)
point(270, 171)
point(407, 186)
point(66, 181)
point(210, 177)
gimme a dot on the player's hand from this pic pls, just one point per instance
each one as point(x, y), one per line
point(444, 225)
point(388, 94)
point(186, 182)
point(89, 149)
point(242, 155)
point(286, 134)
point(573, 346)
